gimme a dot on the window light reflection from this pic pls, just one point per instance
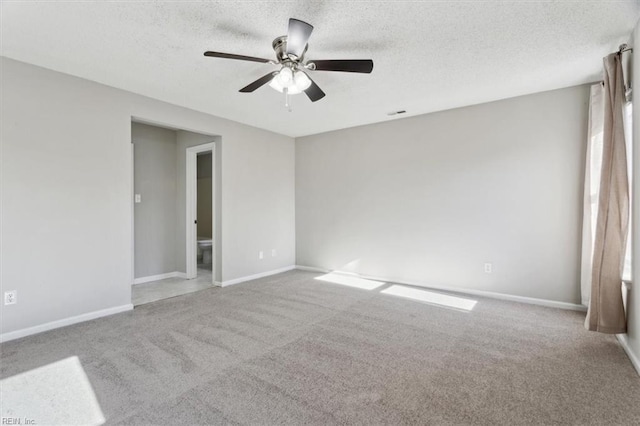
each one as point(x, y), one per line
point(350, 281)
point(431, 297)
point(58, 393)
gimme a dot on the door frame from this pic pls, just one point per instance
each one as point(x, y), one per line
point(191, 262)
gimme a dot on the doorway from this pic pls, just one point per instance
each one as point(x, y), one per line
point(200, 204)
point(173, 182)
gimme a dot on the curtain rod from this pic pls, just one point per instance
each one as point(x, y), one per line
point(624, 48)
point(621, 49)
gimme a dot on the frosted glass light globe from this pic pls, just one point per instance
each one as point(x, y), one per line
point(295, 82)
point(302, 80)
point(285, 76)
point(292, 89)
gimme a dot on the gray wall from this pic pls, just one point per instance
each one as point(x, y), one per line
point(430, 199)
point(204, 166)
point(204, 212)
point(67, 212)
point(633, 301)
point(155, 178)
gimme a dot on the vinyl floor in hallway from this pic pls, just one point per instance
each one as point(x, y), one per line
point(171, 287)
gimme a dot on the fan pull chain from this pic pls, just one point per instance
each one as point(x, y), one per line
point(287, 103)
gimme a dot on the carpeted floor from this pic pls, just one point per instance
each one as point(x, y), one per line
point(289, 349)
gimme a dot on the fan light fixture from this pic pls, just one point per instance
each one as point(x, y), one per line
point(294, 81)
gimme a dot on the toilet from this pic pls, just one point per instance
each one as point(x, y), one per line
point(204, 248)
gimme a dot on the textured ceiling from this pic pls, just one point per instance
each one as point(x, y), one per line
point(428, 56)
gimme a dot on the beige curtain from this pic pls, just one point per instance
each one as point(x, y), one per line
point(606, 311)
point(593, 168)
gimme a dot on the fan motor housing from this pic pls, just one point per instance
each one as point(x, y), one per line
point(280, 47)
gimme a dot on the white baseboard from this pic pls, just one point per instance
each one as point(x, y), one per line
point(12, 335)
point(174, 274)
point(473, 292)
point(635, 360)
point(312, 269)
point(256, 276)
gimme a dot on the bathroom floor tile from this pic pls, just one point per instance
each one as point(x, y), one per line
point(171, 287)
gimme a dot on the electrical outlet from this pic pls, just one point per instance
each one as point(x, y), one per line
point(273, 253)
point(10, 297)
point(138, 198)
point(488, 268)
point(261, 255)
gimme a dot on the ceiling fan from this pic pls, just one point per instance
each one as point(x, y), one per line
point(292, 77)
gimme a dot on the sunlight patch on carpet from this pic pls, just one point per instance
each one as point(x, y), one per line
point(431, 297)
point(55, 394)
point(349, 281)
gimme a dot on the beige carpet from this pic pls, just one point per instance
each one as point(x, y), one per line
point(290, 349)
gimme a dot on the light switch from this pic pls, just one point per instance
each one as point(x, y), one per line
point(138, 198)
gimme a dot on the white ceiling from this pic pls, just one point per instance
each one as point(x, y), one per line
point(428, 56)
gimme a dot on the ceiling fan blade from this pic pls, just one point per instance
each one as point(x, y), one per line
point(297, 37)
point(345, 65)
point(259, 82)
point(239, 57)
point(314, 92)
